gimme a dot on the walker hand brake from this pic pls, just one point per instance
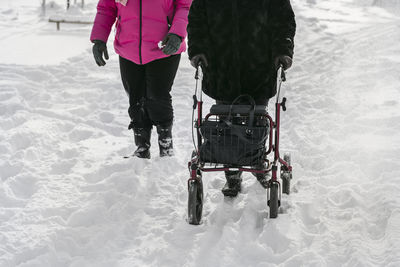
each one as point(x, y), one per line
point(283, 104)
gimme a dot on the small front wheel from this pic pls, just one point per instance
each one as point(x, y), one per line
point(195, 201)
point(273, 201)
point(286, 175)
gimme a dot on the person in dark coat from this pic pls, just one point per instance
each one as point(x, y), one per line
point(240, 45)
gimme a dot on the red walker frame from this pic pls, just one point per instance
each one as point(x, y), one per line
point(196, 167)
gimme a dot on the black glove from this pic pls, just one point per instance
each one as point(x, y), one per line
point(199, 59)
point(283, 60)
point(99, 48)
point(171, 43)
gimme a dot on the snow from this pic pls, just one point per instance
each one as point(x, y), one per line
point(68, 198)
point(30, 39)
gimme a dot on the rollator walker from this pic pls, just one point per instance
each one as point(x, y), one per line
point(234, 138)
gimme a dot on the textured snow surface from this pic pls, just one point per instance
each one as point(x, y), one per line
point(68, 198)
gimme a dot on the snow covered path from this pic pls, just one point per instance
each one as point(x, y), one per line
point(67, 198)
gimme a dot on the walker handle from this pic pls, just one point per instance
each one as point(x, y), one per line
point(199, 71)
point(282, 73)
point(281, 77)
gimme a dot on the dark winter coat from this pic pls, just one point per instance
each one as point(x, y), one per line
point(240, 40)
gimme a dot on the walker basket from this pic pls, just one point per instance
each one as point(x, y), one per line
point(236, 136)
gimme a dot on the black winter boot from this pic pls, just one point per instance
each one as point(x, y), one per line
point(142, 141)
point(233, 183)
point(165, 140)
point(263, 178)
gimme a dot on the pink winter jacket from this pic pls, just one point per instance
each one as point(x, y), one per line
point(140, 26)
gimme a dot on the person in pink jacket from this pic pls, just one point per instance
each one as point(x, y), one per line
point(149, 38)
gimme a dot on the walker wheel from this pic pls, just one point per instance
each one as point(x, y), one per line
point(273, 201)
point(286, 175)
point(195, 201)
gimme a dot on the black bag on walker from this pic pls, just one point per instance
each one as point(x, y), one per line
point(237, 138)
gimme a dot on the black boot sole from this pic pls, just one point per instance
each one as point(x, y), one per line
point(142, 154)
point(169, 153)
point(231, 192)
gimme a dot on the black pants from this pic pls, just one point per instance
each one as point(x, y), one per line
point(148, 87)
